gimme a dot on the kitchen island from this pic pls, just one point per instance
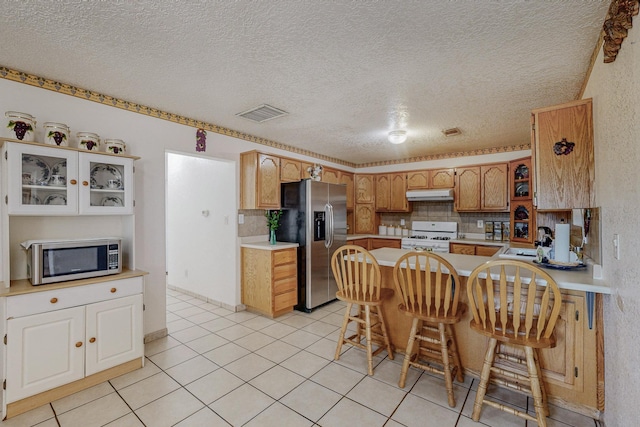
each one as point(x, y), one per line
point(573, 370)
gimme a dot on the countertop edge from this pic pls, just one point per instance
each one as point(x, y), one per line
point(266, 246)
point(465, 264)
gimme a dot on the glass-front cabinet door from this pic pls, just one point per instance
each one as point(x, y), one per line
point(106, 184)
point(42, 180)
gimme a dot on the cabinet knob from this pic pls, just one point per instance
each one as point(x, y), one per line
point(73, 182)
point(92, 340)
point(113, 290)
point(54, 300)
point(85, 183)
point(79, 344)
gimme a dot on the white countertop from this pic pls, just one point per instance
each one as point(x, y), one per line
point(268, 246)
point(576, 280)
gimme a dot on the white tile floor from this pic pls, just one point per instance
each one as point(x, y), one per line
point(219, 368)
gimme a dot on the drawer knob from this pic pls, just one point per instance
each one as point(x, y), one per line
point(92, 340)
point(85, 183)
point(54, 300)
point(79, 344)
point(113, 290)
point(73, 182)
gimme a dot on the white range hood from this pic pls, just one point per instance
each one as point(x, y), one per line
point(430, 195)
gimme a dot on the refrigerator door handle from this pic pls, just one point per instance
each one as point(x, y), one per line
point(328, 241)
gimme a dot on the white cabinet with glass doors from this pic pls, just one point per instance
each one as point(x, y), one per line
point(44, 180)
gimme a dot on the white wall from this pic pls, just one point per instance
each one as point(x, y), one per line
point(146, 137)
point(615, 89)
point(201, 226)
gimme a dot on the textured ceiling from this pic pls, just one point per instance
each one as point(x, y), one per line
point(347, 72)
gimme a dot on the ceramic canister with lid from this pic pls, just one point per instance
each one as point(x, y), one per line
point(115, 146)
point(88, 140)
point(56, 134)
point(21, 126)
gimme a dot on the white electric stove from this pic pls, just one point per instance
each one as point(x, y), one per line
point(431, 236)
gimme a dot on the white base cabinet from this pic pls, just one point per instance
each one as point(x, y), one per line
point(68, 334)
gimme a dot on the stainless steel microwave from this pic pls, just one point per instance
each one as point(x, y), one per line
point(59, 261)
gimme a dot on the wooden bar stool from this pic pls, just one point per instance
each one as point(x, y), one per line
point(517, 304)
point(432, 300)
point(358, 276)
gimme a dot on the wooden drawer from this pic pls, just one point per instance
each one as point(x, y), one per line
point(283, 271)
point(286, 300)
point(284, 256)
point(42, 302)
point(285, 285)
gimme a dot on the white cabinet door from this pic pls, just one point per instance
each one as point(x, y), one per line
point(113, 333)
point(44, 351)
point(106, 184)
point(41, 180)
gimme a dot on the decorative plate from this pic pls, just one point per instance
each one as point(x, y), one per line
point(60, 168)
point(575, 266)
point(38, 169)
point(112, 201)
point(28, 198)
point(101, 174)
point(56, 199)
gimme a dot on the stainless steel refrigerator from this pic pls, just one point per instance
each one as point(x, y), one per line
point(314, 215)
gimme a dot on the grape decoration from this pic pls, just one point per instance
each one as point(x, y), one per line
point(20, 128)
point(201, 140)
point(563, 147)
point(88, 143)
point(58, 137)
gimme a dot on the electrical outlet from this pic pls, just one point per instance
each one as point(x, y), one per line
point(402, 222)
point(240, 218)
point(480, 223)
point(616, 246)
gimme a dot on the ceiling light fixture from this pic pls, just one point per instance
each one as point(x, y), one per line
point(397, 136)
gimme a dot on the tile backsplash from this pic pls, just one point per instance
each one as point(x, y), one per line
point(255, 223)
point(443, 211)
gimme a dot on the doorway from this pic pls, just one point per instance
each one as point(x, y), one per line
point(201, 226)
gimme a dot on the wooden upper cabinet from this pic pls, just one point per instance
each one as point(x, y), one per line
point(441, 178)
point(383, 193)
point(391, 192)
point(304, 170)
point(482, 188)
point(364, 188)
point(418, 180)
point(563, 159)
point(398, 199)
point(433, 178)
point(290, 170)
point(260, 181)
point(467, 190)
point(494, 182)
point(332, 176)
point(347, 179)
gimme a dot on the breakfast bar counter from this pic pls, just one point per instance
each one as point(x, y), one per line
point(573, 370)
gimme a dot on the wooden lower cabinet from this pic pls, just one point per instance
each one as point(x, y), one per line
point(570, 369)
point(384, 243)
point(269, 280)
point(468, 249)
point(371, 243)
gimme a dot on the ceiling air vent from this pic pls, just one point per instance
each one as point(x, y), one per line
point(262, 113)
point(452, 132)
